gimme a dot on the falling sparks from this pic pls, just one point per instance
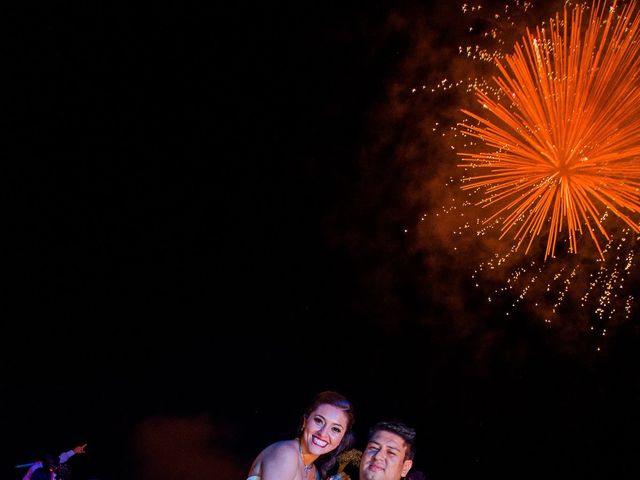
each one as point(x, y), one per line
point(565, 130)
point(595, 291)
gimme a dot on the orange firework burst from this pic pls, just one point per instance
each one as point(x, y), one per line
point(565, 134)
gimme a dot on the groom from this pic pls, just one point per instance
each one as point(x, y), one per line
point(389, 452)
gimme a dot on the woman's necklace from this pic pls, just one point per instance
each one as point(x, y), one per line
point(305, 468)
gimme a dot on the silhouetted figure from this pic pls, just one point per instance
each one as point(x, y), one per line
point(53, 467)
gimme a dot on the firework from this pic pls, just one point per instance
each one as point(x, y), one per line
point(564, 130)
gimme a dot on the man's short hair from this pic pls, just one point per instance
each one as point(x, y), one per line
point(405, 432)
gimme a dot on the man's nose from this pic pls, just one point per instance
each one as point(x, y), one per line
point(379, 454)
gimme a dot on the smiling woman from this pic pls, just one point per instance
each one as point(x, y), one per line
point(326, 431)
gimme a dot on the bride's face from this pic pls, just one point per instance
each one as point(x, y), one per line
point(324, 429)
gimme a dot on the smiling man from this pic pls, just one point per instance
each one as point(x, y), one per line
point(389, 452)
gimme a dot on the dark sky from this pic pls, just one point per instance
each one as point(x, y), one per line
point(213, 213)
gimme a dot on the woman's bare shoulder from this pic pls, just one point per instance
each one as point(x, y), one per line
point(282, 448)
point(278, 460)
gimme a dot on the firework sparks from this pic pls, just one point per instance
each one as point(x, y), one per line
point(578, 295)
point(566, 128)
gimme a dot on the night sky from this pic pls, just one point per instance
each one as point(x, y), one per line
point(213, 213)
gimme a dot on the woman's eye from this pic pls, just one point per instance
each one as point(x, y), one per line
point(336, 430)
